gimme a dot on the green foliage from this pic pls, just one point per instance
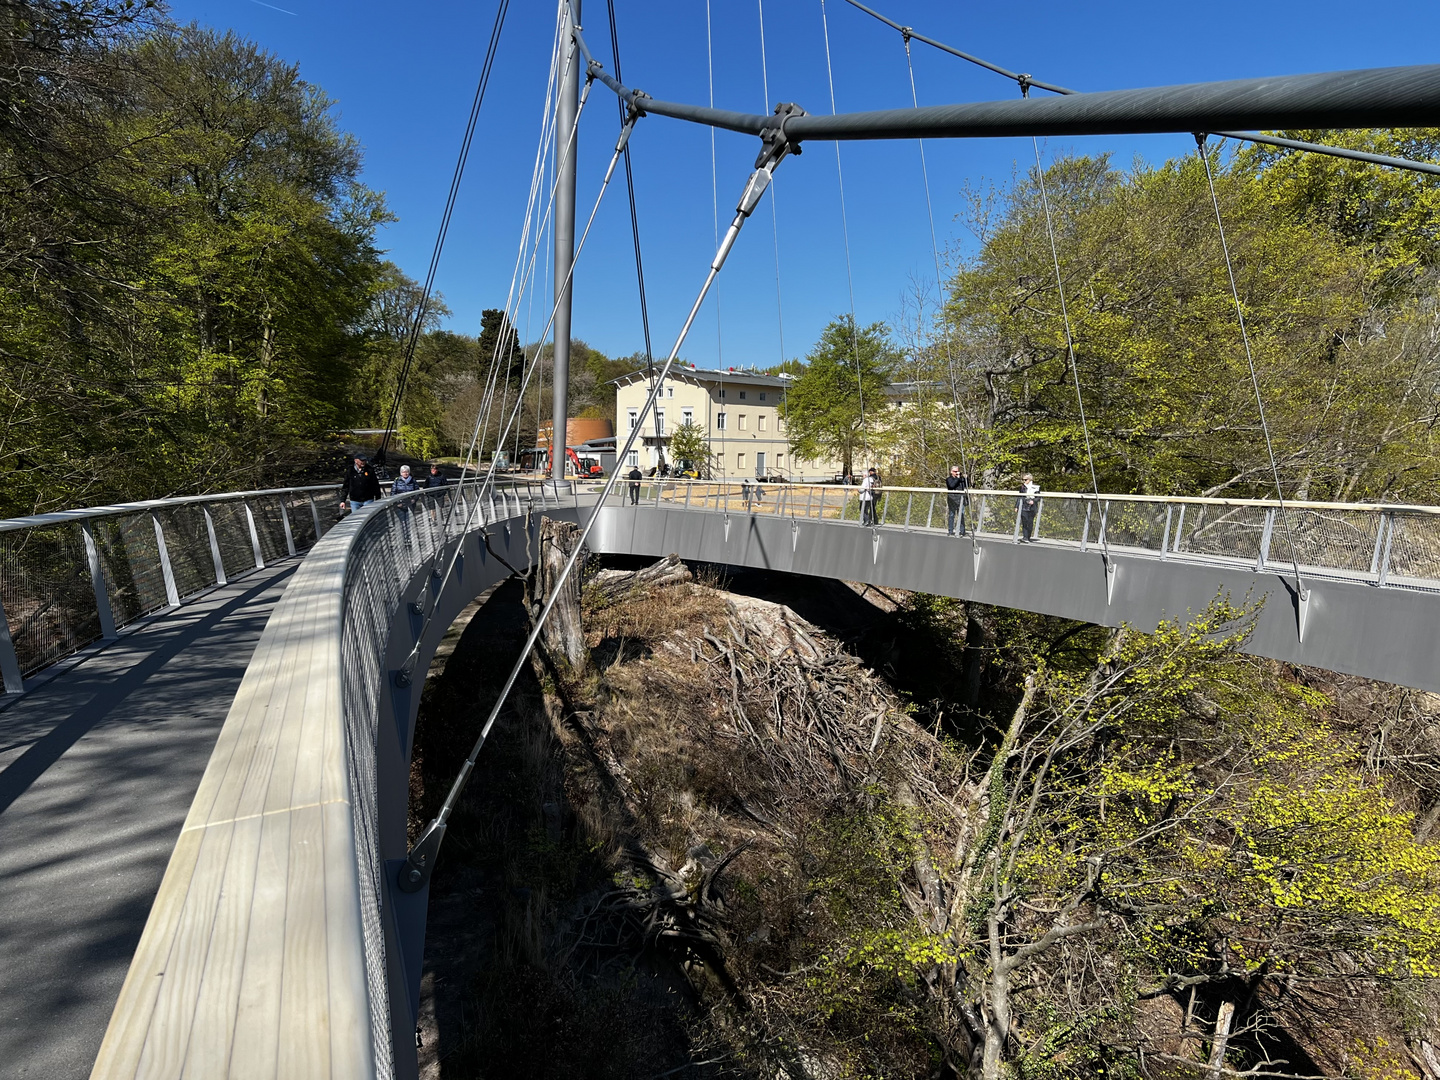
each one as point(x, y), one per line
point(182, 310)
point(842, 386)
point(690, 449)
point(1330, 263)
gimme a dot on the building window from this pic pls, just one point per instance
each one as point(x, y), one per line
point(740, 461)
point(743, 422)
point(687, 417)
point(762, 395)
point(669, 391)
point(742, 395)
point(719, 421)
point(633, 459)
point(779, 461)
point(660, 421)
point(721, 394)
point(763, 420)
point(634, 416)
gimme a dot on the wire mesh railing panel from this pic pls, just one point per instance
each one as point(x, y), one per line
point(130, 558)
point(270, 528)
point(997, 515)
point(1230, 531)
point(1065, 519)
point(1332, 539)
point(48, 596)
point(302, 522)
point(188, 544)
point(1137, 525)
point(232, 534)
point(1414, 547)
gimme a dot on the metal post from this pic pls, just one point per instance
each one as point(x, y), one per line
point(315, 516)
point(220, 578)
point(10, 675)
point(285, 520)
point(1179, 529)
point(1104, 520)
point(567, 106)
point(1265, 540)
point(930, 514)
point(254, 535)
point(909, 502)
point(1385, 558)
point(1039, 509)
point(166, 570)
point(1016, 537)
point(1085, 534)
point(980, 516)
point(1165, 539)
point(97, 581)
point(1379, 544)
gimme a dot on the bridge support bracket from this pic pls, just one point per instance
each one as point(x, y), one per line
point(794, 535)
point(975, 560)
point(875, 546)
point(1302, 610)
point(1109, 579)
point(727, 528)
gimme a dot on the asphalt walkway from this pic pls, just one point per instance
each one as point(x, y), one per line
point(97, 770)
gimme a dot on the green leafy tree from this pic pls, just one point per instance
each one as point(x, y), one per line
point(1347, 373)
point(831, 408)
point(689, 449)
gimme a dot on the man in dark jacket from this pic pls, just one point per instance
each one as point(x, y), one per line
point(633, 475)
point(436, 479)
point(361, 487)
point(957, 496)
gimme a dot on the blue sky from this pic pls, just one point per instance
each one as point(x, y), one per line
point(403, 77)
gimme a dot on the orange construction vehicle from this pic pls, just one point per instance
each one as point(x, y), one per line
point(587, 467)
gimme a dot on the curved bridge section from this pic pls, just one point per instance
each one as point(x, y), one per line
point(279, 946)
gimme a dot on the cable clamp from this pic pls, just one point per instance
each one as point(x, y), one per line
point(1024, 80)
point(774, 143)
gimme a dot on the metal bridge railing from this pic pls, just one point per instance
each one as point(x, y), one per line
point(72, 578)
point(1383, 544)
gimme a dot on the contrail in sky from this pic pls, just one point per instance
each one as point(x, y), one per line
point(272, 7)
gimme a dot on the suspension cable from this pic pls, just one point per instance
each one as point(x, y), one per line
point(485, 480)
point(939, 283)
point(1070, 342)
point(420, 862)
point(845, 234)
point(422, 307)
point(635, 235)
point(715, 225)
point(1025, 81)
point(774, 197)
point(407, 668)
point(1250, 361)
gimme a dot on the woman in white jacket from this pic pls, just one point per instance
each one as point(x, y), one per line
point(868, 490)
point(1029, 508)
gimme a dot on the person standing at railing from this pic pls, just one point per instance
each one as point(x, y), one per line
point(869, 492)
point(1029, 508)
point(402, 486)
point(634, 476)
point(956, 499)
point(361, 486)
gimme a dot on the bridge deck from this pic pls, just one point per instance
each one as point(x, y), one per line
point(98, 768)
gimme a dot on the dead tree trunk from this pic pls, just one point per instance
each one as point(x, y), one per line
point(563, 638)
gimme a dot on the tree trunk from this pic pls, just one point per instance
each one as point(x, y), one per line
point(563, 638)
point(1222, 1038)
point(997, 1026)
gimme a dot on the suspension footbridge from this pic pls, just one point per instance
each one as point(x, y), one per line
point(286, 934)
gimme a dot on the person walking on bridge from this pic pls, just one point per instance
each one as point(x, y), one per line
point(361, 487)
point(1029, 508)
point(869, 492)
point(957, 496)
point(436, 479)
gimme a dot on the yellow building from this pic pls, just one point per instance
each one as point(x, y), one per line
point(738, 412)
